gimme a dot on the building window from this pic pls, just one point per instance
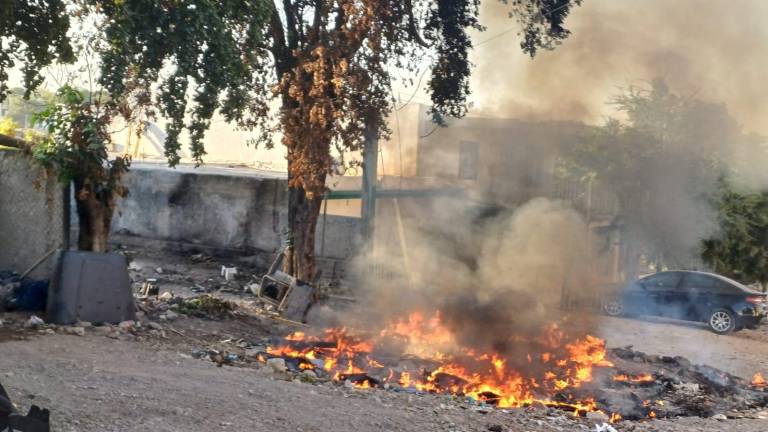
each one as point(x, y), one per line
point(468, 158)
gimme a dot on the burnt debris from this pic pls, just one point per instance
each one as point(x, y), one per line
point(36, 420)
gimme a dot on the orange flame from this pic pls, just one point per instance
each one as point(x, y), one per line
point(636, 379)
point(505, 380)
point(758, 380)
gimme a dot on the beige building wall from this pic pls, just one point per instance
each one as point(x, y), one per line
point(502, 160)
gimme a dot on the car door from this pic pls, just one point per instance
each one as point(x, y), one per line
point(661, 290)
point(697, 299)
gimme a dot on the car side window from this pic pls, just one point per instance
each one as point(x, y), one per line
point(723, 287)
point(662, 281)
point(699, 281)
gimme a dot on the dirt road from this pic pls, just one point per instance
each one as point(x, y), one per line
point(742, 353)
point(94, 383)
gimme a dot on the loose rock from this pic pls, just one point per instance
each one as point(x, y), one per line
point(34, 322)
point(598, 417)
point(127, 326)
point(77, 331)
point(277, 364)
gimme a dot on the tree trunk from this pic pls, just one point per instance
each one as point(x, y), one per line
point(303, 214)
point(94, 212)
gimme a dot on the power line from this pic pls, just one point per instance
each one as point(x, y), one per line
point(496, 36)
point(415, 90)
point(430, 132)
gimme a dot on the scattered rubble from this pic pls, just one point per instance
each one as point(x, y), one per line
point(206, 306)
point(17, 293)
point(277, 364)
point(629, 385)
point(35, 322)
point(77, 331)
point(228, 273)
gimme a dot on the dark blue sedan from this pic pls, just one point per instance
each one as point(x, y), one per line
point(724, 304)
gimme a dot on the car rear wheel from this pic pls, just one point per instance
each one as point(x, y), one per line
point(613, 306)
point(722, 321)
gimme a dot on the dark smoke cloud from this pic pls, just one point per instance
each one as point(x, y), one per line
point(491, 280)
point(712, 49)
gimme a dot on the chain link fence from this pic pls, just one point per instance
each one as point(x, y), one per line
point(32, 215)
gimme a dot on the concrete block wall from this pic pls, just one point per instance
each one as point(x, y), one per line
point(218, 208)
point(31, 215)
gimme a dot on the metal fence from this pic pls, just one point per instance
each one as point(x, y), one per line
point(32, 215)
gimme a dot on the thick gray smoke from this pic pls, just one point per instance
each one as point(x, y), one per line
point(488, 276)
point(492, 275)
point(704, 49)
point(708, 48)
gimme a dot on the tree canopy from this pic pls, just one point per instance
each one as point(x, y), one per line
point(667, 162)
point(740, 249)
point(204, 56)
point(33, 35)
point(76, 142)
point(327, 66)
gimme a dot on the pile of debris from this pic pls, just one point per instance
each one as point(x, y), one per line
point(36, 420)
point(21, 325)
point(22, 293)
point(627, 385)
point(662, 386)
point(167, 307)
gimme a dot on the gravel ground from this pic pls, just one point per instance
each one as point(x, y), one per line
point(742, 353)
point(94, 383)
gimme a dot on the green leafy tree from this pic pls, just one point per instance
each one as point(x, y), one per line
point(21, 109)
point(211, 44)
point(662, 163)
point(328, 64)
point(205, 56)
point(33, 35)
point(75, 146)
point(9, 127)
point(740, 250)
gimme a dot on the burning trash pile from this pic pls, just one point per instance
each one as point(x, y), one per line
point(558, 370)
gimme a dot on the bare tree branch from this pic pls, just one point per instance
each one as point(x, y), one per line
point(413, 31)
point(278, 48)
point(291, 25)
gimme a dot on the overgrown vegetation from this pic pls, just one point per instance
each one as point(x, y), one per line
point(207, 306)
point(740, 250)
point(33, 34)
point(76, 146)
point(671, 165)
point(9, 127)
